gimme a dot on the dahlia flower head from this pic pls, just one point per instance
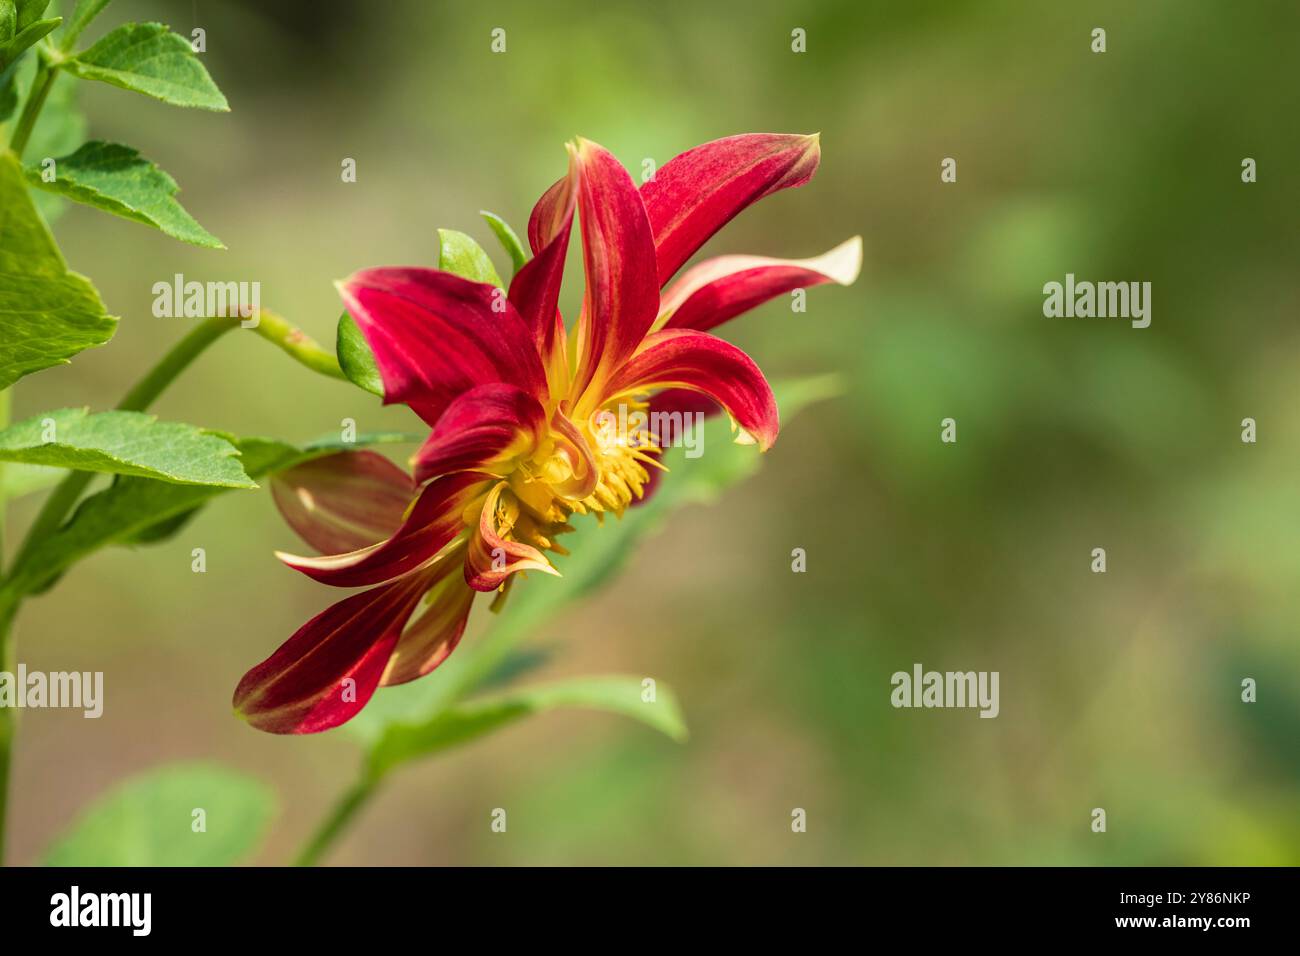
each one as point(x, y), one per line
point(519, 409)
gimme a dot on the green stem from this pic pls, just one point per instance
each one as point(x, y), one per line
point(297, 344)
point(339, 817)
point(41, 84)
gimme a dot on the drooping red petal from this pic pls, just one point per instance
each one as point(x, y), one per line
point(719, 289)
point(436, 335)
point(486, 425)
point(535, 289)
point(622, 297)
point(434, 521)
point(491, 557)
point(686, 358)
point(431, 637)
point(344, 501)
point(324, 674)
point(695, 194)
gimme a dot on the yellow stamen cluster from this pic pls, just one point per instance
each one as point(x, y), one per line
point(559, 479)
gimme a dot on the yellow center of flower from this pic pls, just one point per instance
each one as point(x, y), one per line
point(598, 466)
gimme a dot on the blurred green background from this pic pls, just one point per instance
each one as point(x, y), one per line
point(1119, 690)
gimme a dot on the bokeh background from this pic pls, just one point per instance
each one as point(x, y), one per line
point(1119, 690)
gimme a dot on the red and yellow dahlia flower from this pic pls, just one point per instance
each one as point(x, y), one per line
point(514, 401)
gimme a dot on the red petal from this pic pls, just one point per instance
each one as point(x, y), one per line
point(492, 558)
point(535, 289)
point(434, 521)
point(686, 358)
point(697, 193)
point(719, 289)
point(345, 501)
point(486, 425)
point(622, 297)
point(436, 335)
point(430, 638)
point(301, 689)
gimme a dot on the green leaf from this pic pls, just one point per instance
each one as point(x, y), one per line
point(82, 14)
point(124, 443)
point(119, 180)
point(462, 256)
point(29, 11)
point(47, 314)
point(598, 552)
point(25, 38)
point(21, 27)
point(465, 722)
point(138, 510)
point(355, 357)
point(148, 58)
point(508, 239)
point(153, 820)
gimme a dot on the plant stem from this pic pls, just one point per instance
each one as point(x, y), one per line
point(339, 817)
point(44, 79)
point(297, 344)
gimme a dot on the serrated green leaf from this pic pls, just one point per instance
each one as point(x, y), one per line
point(508, 238)
point(148, 58)
point(465, 722)
point(460, 255)
point(598, 552)
point(150, 820)
point(119, 180)
point(355, 357)
point(124, 443)
point(47, 313)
